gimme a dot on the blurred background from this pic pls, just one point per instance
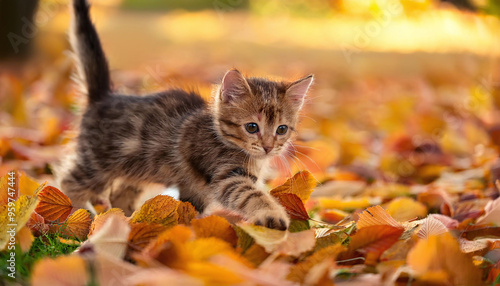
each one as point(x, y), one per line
point(405, 89)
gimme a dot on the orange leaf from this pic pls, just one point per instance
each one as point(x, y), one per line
point(186, 213)
point(299, 271)
point(376, 216)
point(53, 205)
point(24, 238)
point(441, 254)
point(215, 226)
point(404, 208)
point(372, 241)
point(293, 206)
point(63, 270)
point(302, 185)
point(142, 233)
point(77, 225)
point(160, 209)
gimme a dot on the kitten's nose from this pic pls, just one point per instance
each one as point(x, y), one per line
point(267, 149)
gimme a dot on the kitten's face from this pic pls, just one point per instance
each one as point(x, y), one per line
point(259, 115)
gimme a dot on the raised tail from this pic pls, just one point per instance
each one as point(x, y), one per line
point(92, 66)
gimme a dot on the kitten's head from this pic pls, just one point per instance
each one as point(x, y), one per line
point(259, 115)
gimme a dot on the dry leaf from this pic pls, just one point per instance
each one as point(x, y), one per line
point(37, 224)
point(21, 209)
point(431, 226)
point(376, 216)
point(64, 270)
point(100, 219)
point(213, 275)
point(491, 213)
point(186, 213)
point(53, 205)
point(215, 226)
point(372, 241)
point(24, 238)
point(293, 206)
point(162, 276)
point(302, 185)
point(297, 243)
point(160, 209)
point(441, 254)
point(299, 271)
point(111, 239)
point(142, 233)
point(77, 225)
point(268, 238)
point(403, 209)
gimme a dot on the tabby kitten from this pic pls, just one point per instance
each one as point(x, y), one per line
point(214, 154)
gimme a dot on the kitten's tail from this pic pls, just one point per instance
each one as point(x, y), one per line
point(92, 66)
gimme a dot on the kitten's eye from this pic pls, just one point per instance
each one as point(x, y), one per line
point(282, 129)
point(252, 127)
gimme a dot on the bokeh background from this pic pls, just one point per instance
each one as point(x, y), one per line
point(405, 91)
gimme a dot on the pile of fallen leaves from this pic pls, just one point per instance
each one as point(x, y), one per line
point(166, 242)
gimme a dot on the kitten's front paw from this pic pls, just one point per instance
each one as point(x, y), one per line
point(275, 219)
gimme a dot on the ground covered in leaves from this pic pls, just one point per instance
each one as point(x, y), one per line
point(392, 180)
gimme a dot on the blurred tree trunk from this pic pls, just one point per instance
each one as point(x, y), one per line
point(17, 27)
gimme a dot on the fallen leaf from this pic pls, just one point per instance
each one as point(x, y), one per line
point(297, 243)
point(404, 208)
point(160, 209)
point(215, 226)
point(142, 233)
point(431, 226)
point(213, 275)
point(21, 211)
point(53, 205)
point(440, 254)
point(49, 271)
point(186, 213)
point(37, 224)
point(375, 216)
point(268, 238)
point(100, 219)
point(77, 225)
point(491, 213)
point(111, 238)
point(293, 206)
point(372, 241)
point(162, 276)
point(302, 185)
point(299, 271)
point(24, 238)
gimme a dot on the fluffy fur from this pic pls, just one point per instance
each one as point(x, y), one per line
point(176, 138)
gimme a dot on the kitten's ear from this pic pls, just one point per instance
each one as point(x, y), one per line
point(234, 86)
point(297, 91)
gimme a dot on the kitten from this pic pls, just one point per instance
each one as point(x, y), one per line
point(213, 153)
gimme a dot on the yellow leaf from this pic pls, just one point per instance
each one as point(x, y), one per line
point(27, 185)
point(160, 209)
point(302, 185)
point(64, 270)
point(203, 248)
point(268, 238)
point(441, 254)
point(14, 216)
point(344, 204)
point(215, 226)
point(403, 209)
point(213, 274)
point(299, 271)
point(24, 238)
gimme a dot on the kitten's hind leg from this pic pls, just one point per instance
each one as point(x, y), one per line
point(124, 196)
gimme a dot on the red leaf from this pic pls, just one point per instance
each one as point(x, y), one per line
point(293, 205)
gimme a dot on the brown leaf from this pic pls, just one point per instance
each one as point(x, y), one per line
point(372, 241)
point(100, 219)
point(215, 226)
point(186, 213)
point(142, 233)
point(293, 206)
point(160, 209)
point(299, 271)
point(53, 205)
point(37, 224)
point(302, 185)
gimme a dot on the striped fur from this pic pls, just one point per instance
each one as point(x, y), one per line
point(176, 138)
